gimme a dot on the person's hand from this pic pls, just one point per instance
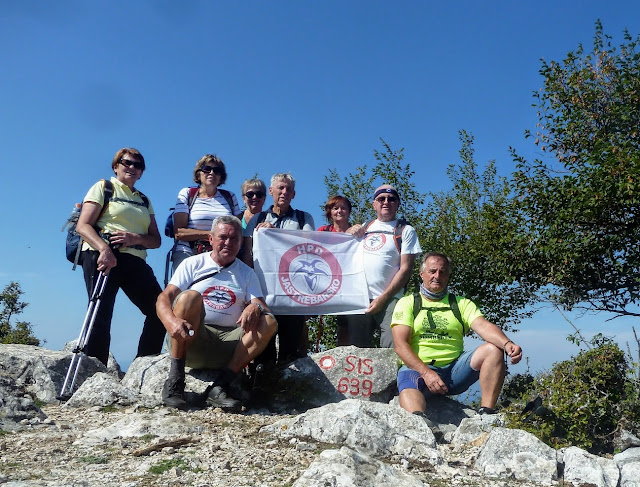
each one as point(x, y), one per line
point(106, 260)
point(434, 383)
point(180, 330)
point(265, 225)
point(249, 318)
point(375, 306)
point(356, 230)
point(514, 351)
point(123, 239)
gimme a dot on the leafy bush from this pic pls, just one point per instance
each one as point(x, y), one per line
point(10, 306)
point(323, 331)
point(583, 402)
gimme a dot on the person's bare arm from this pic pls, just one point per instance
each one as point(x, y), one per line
point(402, 346)
point(493, 334)
point(85, 228)
point(176, 327)
point(180, 222)
point(150, 240)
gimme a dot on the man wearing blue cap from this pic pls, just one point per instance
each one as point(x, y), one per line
point(390, 248)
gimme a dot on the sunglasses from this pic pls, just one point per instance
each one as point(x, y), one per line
point(390, 199)
point(215, 170)
point(254, 194)
point(127, 163)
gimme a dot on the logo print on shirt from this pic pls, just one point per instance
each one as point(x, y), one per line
point(219, 297)
point(374, 241)
point(309, 274)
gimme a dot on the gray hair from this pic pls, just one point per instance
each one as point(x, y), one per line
point(439, 255)
point(283, 176)
point(226, 220)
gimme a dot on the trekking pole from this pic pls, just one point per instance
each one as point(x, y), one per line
point(168, 265)
point(85, 333)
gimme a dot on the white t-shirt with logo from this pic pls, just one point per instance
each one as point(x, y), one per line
point(381, 256)
point(225, 294)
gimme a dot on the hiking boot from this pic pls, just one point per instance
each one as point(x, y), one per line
point(486, 410)
point(424, 418)
point(173, 393)
point(217, 397)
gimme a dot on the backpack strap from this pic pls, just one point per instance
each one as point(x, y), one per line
point(206, 276)
point(108, 193)
point(145, 200)
point(143, 197)
point(262, 216)
point(397, 231)
point(367, 225)
point(228, 198)
point(300, 217)
point(192, 196)
point(453, 306)
point(453, 303)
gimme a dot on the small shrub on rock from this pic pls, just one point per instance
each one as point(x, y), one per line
point(583, 402)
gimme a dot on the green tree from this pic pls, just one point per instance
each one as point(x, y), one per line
point(10, 306)
point(580, 199)
point(476, 224)
point(389, 168)
point(359, 186)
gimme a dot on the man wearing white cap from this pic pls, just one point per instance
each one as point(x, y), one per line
point(390, 249)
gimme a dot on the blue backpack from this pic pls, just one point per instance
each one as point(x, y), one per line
point(74, 240)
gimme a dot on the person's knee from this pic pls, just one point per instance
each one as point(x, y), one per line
point(187, 302)
point(269, 326)
point(412, 400)
point(489, 354)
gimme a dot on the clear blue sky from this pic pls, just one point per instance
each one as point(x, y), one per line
point(271, 86)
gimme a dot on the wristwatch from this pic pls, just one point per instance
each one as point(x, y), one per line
point(263, 311)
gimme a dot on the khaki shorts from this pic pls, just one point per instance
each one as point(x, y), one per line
point(212, 347)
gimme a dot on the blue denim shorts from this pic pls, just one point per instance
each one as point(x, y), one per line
point(458, 376)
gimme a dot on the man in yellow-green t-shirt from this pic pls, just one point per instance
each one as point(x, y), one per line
point(431, 344)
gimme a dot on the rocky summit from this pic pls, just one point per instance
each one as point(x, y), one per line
point(330, 419)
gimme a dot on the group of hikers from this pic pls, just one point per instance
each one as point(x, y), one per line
point(213, 312)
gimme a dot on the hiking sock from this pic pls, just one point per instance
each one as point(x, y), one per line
point(176, 370)
point(227, 376)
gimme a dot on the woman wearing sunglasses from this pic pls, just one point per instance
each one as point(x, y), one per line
point(116, 237)
point(254, 193)
point(198, 206)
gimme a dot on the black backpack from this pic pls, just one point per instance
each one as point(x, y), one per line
point(262, 216)
point(453, 307)
point(193, 194)
point(74, 240)
point(397, 231)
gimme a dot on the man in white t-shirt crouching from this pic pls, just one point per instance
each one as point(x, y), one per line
point(216, 318)
point(390, 248)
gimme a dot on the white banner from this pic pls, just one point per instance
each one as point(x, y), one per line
point(310, 273)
